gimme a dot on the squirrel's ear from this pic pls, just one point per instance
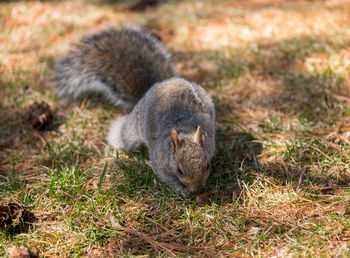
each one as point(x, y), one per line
point(175, 143)
point(198, 137)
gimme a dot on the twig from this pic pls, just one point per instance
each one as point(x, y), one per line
point(83, 103)
point(170, 232)
point(141, 235)
point(324, 154)
point(300, 178)
point(165, 246)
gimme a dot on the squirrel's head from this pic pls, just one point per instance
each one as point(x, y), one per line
point(192, 161)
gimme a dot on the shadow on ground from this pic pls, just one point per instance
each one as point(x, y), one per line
point(250, 86)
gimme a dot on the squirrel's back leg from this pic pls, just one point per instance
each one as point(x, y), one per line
point(124, 133)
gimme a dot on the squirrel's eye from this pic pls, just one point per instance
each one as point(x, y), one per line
point(180, 171)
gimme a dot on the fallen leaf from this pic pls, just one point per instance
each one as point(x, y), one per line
point(22, 252)
point(204, 197)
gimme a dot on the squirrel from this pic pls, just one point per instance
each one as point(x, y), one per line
point(175, 120)
point(172, 117)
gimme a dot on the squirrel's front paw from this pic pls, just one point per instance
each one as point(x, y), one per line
point(174, 184)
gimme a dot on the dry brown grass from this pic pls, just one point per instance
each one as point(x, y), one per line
point(279, 75)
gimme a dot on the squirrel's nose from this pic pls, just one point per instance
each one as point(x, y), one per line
point(198, 190)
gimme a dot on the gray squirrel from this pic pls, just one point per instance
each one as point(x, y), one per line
point(172, 117)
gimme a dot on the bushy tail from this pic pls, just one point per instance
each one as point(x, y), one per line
point(119, 63)
point(71, 80)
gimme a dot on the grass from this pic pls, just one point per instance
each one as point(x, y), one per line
point(278, 72)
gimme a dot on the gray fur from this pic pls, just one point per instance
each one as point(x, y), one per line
point(122, 64)
point(172, 104)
